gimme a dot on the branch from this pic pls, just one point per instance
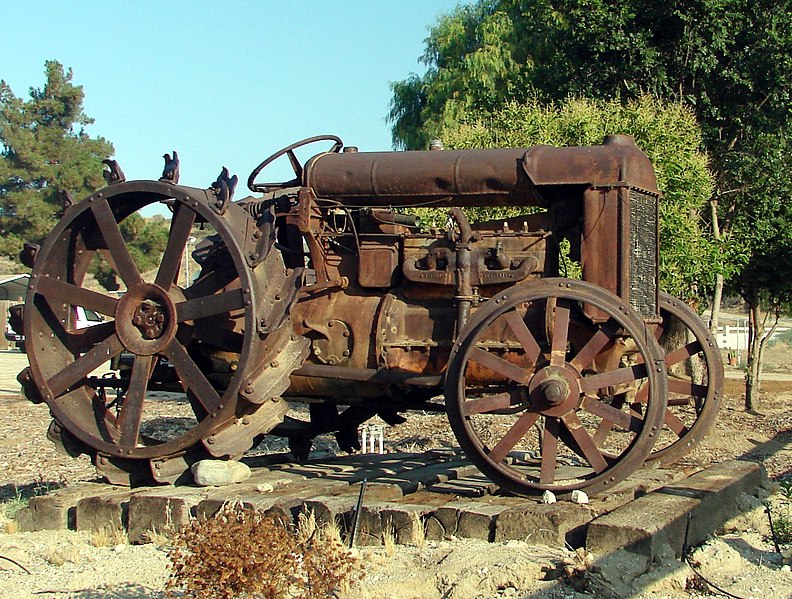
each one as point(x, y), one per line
point(16, 563)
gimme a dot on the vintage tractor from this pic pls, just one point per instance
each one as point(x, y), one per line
point(322, 292)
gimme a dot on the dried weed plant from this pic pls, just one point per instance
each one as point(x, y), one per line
point(389, 539)
point(109, 537)
point(417, 531)
point(242, 552)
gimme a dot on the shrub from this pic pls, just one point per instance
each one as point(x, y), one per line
point(241, 552)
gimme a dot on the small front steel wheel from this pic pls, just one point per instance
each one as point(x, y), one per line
point(534, 376)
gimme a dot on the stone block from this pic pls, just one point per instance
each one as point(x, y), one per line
point(163, 515)
point(550, 524)
point(330, 510)
point(406, 522)
point(106, 512)
point(678, 514)
point(56, 510)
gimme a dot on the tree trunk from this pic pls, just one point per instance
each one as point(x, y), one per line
point(717, 294)
point(757, 341)
point(754, 342)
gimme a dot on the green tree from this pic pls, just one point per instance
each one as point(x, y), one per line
point(667, 132)
point(45, 149)
point(729, 60)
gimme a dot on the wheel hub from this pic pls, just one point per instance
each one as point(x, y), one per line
point(150, 318)
point(554, 390)
point(146, 319)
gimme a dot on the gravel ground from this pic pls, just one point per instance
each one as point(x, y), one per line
point(741, 560)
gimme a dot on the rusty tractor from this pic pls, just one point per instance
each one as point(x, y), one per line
point(319, 303)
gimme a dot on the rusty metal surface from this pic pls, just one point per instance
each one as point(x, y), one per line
point(321, 292)
point(475, 177)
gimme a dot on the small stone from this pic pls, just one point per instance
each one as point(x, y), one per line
point(119, 548)
point(265, 488)
point(219, 473)
point(579, 496)
point(786, 568)
point(548, 497)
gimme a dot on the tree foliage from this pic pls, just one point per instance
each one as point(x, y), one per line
point(667, 132)
point(730, 61)
point(45, 149)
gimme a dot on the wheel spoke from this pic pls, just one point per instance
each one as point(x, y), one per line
point(513, 436)
point(82, 340)
point(549, 451)
point(611, 414)
point(121, 259)
point(211, 282)
point(613, 378)
point(687, 388)
point(295, 164)
point(596, 344)
point(675, 424)
point(55, 289)
point(181, 226)
point(132, 411)
point(210, 305)
point(584, 441)
point(524, 336)
point(192, 377)
point(81, 367)
point(219, 338)
point(490, 403)
point(499, 365)
point(683, 353)
point(560, 336)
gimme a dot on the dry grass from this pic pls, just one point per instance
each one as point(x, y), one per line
point(109, 537)
point(417, 532)
point(389, 540)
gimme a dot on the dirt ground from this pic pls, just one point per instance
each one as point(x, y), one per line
point(740, 560)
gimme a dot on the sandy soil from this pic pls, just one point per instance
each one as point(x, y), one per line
point(741, 559)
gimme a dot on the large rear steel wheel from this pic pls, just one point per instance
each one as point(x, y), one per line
point(532, 378)
point(202, 338)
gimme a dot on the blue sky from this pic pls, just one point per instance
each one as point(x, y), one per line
point(223, 85)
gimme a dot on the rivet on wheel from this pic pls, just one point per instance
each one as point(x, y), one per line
point(210, 440)
point(248, 390)
point(246, 420)
point(274, 364)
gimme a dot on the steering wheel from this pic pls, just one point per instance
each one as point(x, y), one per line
point(295, 164)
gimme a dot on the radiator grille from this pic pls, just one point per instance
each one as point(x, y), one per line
point(643, 253)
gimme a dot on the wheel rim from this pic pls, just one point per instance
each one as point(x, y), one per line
point(153, 319)
point(529, 418)
point(694, 394)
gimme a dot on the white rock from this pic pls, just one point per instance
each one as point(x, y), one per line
point(548, 497)
point(579, 496)
point(265, 488)
point(219, 473)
